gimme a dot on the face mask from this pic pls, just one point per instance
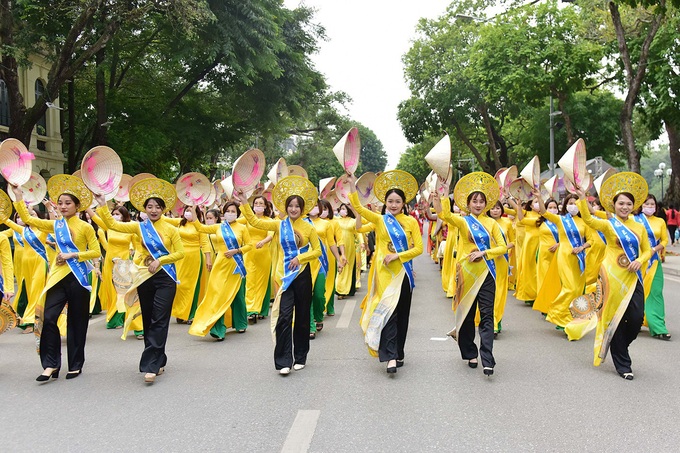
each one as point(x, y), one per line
point(258, 209)
point(143, 216)
point(314, 211)
point(553, 211)
point(648, 211)
point(324, 214)
point(188, 216)
point(343, 213)
point(117, 217)
point(535, 206)
point(230, 217)
point(572, 209)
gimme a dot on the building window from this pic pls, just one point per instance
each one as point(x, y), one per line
point(4, 105)
point(41, 126)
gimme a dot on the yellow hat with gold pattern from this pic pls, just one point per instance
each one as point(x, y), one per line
point(152, 188)
point(72, 185)
point(476, 182)
point(294, 185)
point(395, 179)
point(625, 181)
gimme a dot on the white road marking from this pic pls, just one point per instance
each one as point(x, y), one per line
point(300, 435)
point(346, 316)
point(439, 338)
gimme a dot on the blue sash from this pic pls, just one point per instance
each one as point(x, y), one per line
point(18, 239)
point(154, 244)
point(553, 229)
point(35, 243)
point(575, 239)
point(323, 259)
point(506, 254)
point(51, 238)
point(232, 244)
point(629, 242)
point(482, 240)
point(400, 242)
point(290, 251)
point(2, 285)
point(66, 245)
point(641, 218)
point(602, 236)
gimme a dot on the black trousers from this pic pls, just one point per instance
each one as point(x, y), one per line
point(671, 232)
point(393, 335)
point(68, 290)
point(297, 297)
point(628, 330)
point(466, 336)
point(155, 299)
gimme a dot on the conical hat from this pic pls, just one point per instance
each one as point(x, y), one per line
point(424, 192)
point(573, 164)
point(626, 181)
point(568, 185)
point(498, 176)
point(228, 187)
point(348, 150)
point(278, 171)
point(72, 185)
point(78, 174)
point(439, 157)
point(602, 178)
point(477, 181)
point(15, 162)
point(333, 199)
point(325, 186)
point(101, 170)
point(431, 181)
point(296, 170)
point(520, 190)
point(532, 173)
point(135, 179)
point(442, 184)
point(211, 198)
point(8, 318)
point(219, 190)
point(552, 187)
point(343, 188)
point(294, 185)
point(5, 207)
point(123, 193)
point(509, 176)
point(193, 189)
point(153, 188)
point(177, 209)
point(34, 190)
point(248, 170)
point(364, 187)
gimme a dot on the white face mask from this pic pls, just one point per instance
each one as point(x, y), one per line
point(553, 210)
point(324, 215)
point(188, 216)
point(117, 217)
point(572, 209)
point(314, 212)
point(535, 206)
point(230, 217)
point(343, 213)
point(143, 216)
point(646, 210)
point(258, 209)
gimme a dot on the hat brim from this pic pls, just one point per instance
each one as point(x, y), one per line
point(478, 181)
point(153, 188)
point(72, 185)
point(395, 179)
point(618, 183)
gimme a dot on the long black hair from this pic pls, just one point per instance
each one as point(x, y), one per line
point(403, 199)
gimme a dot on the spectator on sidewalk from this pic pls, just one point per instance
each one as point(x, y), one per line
point(672, 222)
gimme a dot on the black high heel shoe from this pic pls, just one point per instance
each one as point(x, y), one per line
point(74, 374)
point(392, 369)
point(472, 364)
point(488, 371)
point(46, 377)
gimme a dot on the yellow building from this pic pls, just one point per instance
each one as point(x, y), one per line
point(46, 141)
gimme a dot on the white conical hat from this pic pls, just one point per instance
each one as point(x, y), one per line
point(101, 170)
point(364, 186)
point(348, 150)
point(325, 186)
point(573, 164)
point(248, 170)
point(552, 186)
point(443, 184)
point(532, 173)
point(15, 161)
point(343, 188)
point(602, 178)
point(34, 190)
point(228, 186)
point(439, 157)
point(520, 190)
point(278, 171)
point(296, 170)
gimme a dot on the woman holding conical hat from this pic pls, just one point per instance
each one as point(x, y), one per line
point(346, 280)
point(658, 239)
point(298, 245)
point(626, 257)
point(34, 266)
point(190, 268)
point(154, 275)
point(67, 281)
point(259, 264)
point(480, 243)
point(226, 280)
point(574, 238)
point(527, 278)
point(335, 262)
point(548, 240)
point(502, 265)
point(398, 240)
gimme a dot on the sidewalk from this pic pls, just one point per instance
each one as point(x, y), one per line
point(672, 264)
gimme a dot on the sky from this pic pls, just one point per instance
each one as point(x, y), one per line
point(362, 57)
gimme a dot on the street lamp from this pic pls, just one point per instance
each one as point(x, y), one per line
point(660, 173)
point(552, 136)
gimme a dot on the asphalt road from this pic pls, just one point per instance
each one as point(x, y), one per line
point(545, 395)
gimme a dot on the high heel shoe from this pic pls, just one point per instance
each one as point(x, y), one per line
point(472, 364)
point(392, 369)
point(74, 374)
point(46, 377)
point(627, 376)
point(488, 371)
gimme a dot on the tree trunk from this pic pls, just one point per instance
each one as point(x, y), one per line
point(673, 193)
point(465, 139)
point(493, 160)
point(562, 105)
point(99, 137)
point(72, 147)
